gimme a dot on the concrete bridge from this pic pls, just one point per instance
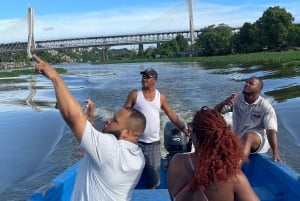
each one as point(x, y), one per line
point(103, 42)
point(98, 41)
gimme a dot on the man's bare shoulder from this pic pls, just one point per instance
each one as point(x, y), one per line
point(133, 92)
point(163, 97)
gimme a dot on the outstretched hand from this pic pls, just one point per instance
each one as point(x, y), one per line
point(90, 109)
point(43, 67)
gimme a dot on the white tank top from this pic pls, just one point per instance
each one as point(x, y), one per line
point(151, 110)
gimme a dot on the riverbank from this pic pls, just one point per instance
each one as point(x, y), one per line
point(282, 59)
point(24, 71)
point(279, 59)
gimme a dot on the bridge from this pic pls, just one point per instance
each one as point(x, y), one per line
point(98, 41)
point(102, 42)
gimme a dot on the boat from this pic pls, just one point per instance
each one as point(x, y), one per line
point(272, 181)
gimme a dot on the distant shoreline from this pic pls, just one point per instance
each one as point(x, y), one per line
point(280, 59)
point(24, 71)
point(283, 58)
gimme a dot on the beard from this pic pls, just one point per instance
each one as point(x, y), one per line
point(247, 93)
point(116, 133)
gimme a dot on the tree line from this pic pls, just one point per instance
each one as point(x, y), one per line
point(273, 31)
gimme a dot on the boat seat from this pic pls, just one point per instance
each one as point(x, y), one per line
point(150, 195)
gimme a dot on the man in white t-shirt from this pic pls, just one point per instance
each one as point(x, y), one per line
point(254, 119)
point(112, 163)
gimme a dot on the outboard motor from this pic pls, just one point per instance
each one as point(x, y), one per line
point(175, 141)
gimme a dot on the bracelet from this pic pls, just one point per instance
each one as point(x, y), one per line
point(182, 128)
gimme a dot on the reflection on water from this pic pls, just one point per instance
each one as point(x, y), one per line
point(37, 140)
point(32, 90)
point(285, 79)
point(284, 94)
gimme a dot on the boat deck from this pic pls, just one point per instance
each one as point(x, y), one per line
point(150, 195)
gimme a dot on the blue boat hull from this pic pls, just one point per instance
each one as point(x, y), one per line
point(271, 181)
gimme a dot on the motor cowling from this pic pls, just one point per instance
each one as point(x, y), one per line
point(175, 141)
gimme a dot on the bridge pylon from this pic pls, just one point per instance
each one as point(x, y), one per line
point(30, 41)
point(191, 20)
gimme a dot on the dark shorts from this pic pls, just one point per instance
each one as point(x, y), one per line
point(152, 162)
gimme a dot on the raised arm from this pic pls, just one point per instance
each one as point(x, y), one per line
point(68, 106)
point(228, 101)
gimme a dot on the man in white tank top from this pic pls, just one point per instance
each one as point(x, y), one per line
point(149, 101)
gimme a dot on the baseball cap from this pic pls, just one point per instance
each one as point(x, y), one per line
point(149, 72)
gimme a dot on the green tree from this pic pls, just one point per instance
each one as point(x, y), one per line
point(173, 47)
point(215, 40)
point(246, 40)
point(150, 52)
point(274, 26)
point(121, 54)
point(294, 35)
point(182, 43)
point(168, 48)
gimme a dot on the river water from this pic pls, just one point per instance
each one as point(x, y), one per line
point(36, 145)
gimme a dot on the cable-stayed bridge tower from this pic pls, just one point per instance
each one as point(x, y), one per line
point(30, 41)
point(191, 20)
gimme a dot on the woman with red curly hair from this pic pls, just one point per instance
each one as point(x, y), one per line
point(212, 172)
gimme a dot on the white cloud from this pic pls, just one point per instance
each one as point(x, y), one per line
point(133, 20)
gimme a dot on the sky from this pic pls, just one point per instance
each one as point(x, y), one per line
point(59, 19)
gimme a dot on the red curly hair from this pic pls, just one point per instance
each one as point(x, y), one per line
point(218, 149)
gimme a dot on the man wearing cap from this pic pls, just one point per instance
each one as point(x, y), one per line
point(149, 101)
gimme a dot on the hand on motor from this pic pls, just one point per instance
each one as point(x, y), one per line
point(186, 132)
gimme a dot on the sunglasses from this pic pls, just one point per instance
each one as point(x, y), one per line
point(145, 76)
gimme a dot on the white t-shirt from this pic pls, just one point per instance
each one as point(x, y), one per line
point(110, 168)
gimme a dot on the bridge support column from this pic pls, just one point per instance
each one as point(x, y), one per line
point(104, 54)
point(141, 48)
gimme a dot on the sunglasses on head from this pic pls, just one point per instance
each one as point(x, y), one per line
point(147, 76)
